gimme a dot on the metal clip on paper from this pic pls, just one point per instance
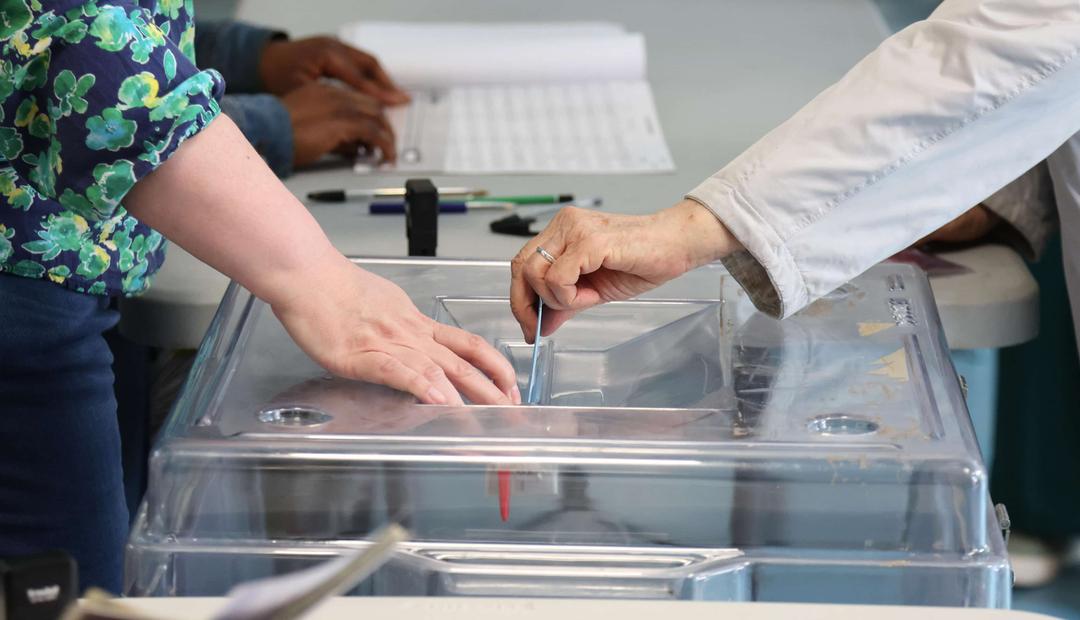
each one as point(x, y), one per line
point(421, 216)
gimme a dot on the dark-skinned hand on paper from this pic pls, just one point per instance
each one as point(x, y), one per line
point(335, 95)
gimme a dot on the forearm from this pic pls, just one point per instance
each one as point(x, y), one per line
point(939, 117)
point(266, 124)
point(218, 200)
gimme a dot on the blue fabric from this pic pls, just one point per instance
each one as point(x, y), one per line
point(60, 474)
point(234, 49)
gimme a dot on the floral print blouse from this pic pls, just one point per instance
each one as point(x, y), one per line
point(95, 95)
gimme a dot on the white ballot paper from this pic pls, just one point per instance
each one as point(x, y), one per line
point(519, 97)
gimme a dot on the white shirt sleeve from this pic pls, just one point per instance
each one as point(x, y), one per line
point(940, 116)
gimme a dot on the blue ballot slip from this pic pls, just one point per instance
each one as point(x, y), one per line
point(533, 397)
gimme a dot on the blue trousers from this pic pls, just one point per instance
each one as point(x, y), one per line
point(60, 475)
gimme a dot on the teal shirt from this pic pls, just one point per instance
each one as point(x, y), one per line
point(95, 95)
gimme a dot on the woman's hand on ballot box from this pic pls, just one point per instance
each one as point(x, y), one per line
point(216, 198)
point(359, 325)
point(603, 257)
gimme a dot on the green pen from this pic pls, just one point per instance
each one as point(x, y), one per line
point(539, 199)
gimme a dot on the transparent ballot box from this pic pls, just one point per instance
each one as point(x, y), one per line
point(684, 446)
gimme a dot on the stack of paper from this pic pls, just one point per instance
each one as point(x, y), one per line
point(519, 97)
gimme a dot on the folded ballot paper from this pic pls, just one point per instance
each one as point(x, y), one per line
point(284, 597)
point(519, 97)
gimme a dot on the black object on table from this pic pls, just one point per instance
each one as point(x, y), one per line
point(37, 587)
point(515, 225)
point(421, 216)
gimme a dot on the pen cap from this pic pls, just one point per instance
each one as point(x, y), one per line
point(513, 224)
point(421, 216)
point(329, 195)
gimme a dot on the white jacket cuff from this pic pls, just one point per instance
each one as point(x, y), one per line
point(764, 267)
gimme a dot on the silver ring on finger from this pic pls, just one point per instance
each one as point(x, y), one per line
point(545, 254)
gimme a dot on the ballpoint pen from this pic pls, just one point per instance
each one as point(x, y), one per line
point(341, 195)
point(537, 199)
point(398, 208)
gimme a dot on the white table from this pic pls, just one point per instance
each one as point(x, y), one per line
point(562, 609)
point(723, 73)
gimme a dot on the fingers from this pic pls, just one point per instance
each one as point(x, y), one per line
point(481, 355)
point(356, 103)
point(472, 383)
point(522, 296)
point(522, 300)
point(535, 273)
point(572, 238)
point(434, 372)
point(527, 284)
point(372, 133)
point(332, 118)
point(554, 319)
point(378, 75)
point(342, 67)
point(535, 267)
point(406, 371)
point(562, 277)
point(366, 123)
point(527, 276)
point(362, 72)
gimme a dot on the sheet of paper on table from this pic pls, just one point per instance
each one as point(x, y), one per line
point(519, 97)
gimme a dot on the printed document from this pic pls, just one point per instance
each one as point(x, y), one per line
point(540, 98)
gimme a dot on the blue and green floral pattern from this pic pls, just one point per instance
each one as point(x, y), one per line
point(93, 96)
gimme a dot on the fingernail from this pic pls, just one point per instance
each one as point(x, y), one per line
point(436, 397)
point(515, 395)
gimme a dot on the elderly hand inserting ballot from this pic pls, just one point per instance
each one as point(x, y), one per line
point(957, 110)
point(602, 257)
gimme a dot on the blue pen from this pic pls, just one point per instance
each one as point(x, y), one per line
point(398, 208)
